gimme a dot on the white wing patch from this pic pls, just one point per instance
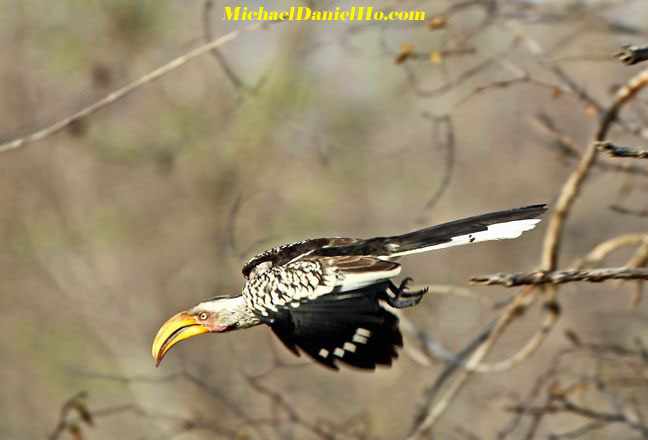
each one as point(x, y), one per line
point(351, 281)
point(497, 231)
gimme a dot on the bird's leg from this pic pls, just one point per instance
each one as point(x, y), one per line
point(403, 298)
point(401, 290)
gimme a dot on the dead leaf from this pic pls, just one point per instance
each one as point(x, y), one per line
point(436, 23)
point(405, 52)
point(435, 57)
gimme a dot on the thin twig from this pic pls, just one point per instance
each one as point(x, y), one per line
point(434, 410)
point(540, 55)
point(628, 211)
point(533, 343)
point(444, 137)
point(571, 150)
point(217, 53)
point(64, 424)
point(454, 362)
point(129, 88)
point(561, 276)
point(279, 400)
point(639, 259)
point(565, 405)
point(603, 249)
point(572, 186)
point(553, 237)
point(617, 151)
point(539, 385)
point(630, 54)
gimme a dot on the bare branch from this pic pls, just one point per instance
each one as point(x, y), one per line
point(631, 54)
point(565, 405)
point(540, 54)
point(455, 361)
point(64, 424)
point(129, 88)
point(628, 211)
point(533, 343)
point(279, 401)
point(568, 148)
point(639, 259)
point(570, 190)
point(444, 137)
point(560, 277)
point(602, 250)
point(75, 414)
point(572, 186)
point(217, 54)
point(432, 411)
point(617, 151)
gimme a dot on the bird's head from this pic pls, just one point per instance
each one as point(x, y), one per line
point(215, 315)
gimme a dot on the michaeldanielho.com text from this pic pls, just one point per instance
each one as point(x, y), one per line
point(301, 13)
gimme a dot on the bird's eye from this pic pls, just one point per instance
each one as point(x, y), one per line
point(203, 316)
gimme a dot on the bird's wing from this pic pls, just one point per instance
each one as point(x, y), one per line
point(356, 271)
point(288, 285)
point(328, 307)
point(286, 253)
point(351, 328)
point(306, 279)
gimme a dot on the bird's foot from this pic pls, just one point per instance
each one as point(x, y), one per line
point(402, 297)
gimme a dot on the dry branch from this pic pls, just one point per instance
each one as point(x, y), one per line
point(603, 249)
point(560, 404)
point(572, 186)
point(617, 151)
point(444, 137)
point(128, 88)
point(73, 404)
point(570, 149)
point(553, 238)
point(639, 259)
point(280, 402)
point(558, 393)
point(627, 211)
point(433, 410)
point(565, 405)
point(561, 276)
point(216, 53)
point(631, 54)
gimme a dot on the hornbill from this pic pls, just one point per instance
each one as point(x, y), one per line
point(325, 296)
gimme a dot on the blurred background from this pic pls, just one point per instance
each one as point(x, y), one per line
point(301, 129)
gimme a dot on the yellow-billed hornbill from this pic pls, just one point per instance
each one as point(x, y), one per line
point(323, 295)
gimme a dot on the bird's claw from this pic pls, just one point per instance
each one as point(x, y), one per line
point(403, 298)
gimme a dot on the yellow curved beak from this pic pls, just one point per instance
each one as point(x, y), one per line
point(179, 327)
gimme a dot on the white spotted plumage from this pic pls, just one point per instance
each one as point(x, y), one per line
point(288, 285)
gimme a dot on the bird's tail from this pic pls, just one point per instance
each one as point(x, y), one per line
point(493, 226)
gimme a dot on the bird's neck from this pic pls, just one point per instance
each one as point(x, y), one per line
point(239, 315)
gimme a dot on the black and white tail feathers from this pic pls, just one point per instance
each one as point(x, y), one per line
point(493, 226)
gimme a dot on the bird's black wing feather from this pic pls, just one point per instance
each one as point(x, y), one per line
point(349, 327)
